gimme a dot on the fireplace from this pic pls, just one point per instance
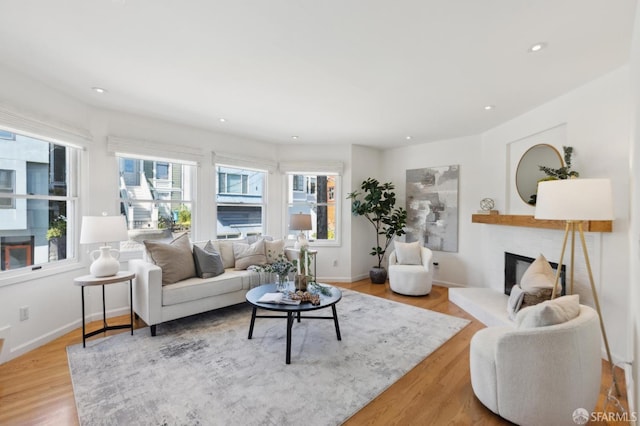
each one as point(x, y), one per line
point(515, 265)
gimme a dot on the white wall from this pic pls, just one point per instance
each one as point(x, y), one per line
point(464, 267)
point(598, 126)
point(634, 232)
point(366, 163)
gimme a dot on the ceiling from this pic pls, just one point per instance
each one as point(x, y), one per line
point(369, 72)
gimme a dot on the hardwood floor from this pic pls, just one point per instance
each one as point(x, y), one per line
point(36, 387)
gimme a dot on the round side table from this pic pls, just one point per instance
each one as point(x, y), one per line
point(90, 280)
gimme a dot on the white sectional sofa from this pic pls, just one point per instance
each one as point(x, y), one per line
point(156, 303)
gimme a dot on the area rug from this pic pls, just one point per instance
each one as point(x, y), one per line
point(202, 370)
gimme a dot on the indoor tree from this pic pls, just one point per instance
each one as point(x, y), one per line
point(377, 203)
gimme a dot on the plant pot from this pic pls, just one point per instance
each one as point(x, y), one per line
point(378, 275)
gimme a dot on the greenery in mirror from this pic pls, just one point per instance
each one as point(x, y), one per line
point(563, 172)
point(376, 202)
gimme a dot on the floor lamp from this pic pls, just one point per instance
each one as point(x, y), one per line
point(574, 201)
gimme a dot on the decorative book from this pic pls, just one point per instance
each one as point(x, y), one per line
point(278, 299)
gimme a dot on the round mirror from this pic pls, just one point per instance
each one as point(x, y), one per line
point(528, 172)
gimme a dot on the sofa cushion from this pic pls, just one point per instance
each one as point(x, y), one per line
point(273, 250)
point(249, 254)
point(550, 312)
point(208, 261)
point(175, 259)
point(408, 253)
point(199, 288)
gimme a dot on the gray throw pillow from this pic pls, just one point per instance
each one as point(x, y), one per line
point(208, 261)
point(175, 259)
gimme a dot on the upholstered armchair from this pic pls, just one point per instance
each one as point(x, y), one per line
point(410, 269)
point(538, 375)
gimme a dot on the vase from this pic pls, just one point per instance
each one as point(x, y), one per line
point(378, 275)
point(281, 282)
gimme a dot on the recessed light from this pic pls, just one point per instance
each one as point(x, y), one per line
point(294, 137)
point(408, 138)
point(99, 90)
point(537, 47)
point(222, 120)
point(489, 107)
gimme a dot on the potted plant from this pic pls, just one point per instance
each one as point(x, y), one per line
point(377, 203)
point(57, 237)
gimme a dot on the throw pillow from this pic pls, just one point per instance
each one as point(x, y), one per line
point(208, 261)
point(539, 275)
point(175, 259)
point(225, 248)
point(273, 250)
point(515, 301)
point(550, 312)
point(247, 255)
point(408, 253)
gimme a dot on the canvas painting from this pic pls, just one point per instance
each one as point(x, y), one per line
point(432, 207)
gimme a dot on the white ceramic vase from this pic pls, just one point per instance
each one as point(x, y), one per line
point(105, 262)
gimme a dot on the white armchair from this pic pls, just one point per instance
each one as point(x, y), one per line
point(411, 280)
point(538, 376)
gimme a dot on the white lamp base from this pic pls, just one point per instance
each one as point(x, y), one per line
point(301, 242)
point(107, 264)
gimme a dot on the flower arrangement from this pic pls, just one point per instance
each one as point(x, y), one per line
point(281, 266)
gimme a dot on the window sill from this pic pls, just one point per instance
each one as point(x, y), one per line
point(46, 271)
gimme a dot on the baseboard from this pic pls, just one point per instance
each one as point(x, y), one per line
point(447, 284)
point(11, 353)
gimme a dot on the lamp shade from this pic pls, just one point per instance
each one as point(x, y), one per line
point(102, 229)
point(574, 199)
point(300, 222)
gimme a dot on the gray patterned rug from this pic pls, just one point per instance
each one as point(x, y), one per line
point(203, 370)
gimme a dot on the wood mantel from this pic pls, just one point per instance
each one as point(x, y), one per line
point(531, 222)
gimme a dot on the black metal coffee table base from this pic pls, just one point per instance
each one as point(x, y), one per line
point(292, 311)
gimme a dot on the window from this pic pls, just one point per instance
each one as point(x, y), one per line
point(38, 201)
point(240, 202)
point(7, 186)
point(314, 194)
point(162, 171)
point(233, 183)
point(155, 197)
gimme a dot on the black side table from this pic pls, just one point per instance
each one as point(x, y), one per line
point(89, 280)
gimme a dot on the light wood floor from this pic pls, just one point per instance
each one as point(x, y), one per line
point(36, 387)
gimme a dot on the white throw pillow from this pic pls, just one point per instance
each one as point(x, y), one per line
point(225, 248)
point(539, 275)
point(550, 312)
point(515, 301)
point(247, 255)
point(273, 250)
point(408, 253)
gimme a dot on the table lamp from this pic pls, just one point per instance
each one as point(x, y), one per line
point(300, 222)
point(101, 229)
point(575, 201)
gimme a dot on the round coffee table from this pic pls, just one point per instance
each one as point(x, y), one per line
point(292, 311)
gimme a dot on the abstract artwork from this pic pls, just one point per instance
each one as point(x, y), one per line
point(432, 207)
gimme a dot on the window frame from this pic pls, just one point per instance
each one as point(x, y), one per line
point(289, 177)
point(244, 188)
